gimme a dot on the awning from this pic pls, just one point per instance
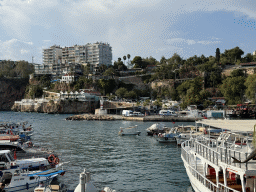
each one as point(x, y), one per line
point(232, 125)
point(46, 173)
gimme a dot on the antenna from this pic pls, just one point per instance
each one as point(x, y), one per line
point(32, 59)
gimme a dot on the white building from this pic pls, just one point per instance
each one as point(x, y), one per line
point(52, 60)
point(82, 95)
point(67, 78)
point(58, 60)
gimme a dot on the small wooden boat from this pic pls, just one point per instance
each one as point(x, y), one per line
point(132, 130)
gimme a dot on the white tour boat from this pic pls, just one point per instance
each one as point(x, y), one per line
point(224, 164)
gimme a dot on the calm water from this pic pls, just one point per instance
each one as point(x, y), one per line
point(128, 163)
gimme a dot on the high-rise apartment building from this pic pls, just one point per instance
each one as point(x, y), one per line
point(52, 59)
point(98, 54)
point(63, 60)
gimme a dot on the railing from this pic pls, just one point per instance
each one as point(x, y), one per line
point(210, 150)
point(206, 182)
point(223, 188)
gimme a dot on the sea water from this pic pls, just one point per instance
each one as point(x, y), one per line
point(123, 163)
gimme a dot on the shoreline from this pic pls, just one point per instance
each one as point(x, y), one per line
point(90, 117)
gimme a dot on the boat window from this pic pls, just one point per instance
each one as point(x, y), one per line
point(31, 178)
point(3, 158)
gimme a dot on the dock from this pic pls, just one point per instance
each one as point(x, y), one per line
point(144, 118)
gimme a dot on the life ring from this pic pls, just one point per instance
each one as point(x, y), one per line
point(53, 160)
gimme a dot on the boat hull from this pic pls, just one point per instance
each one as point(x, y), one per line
point(127, 134)
point(196, 184)
point(166, 139)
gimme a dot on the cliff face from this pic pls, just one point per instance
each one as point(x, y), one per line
point(11, 90)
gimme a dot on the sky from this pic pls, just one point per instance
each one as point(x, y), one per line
point(137, 27)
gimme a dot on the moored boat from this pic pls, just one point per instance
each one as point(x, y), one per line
point(132, 130)
point(220, 164)
point(157, 128)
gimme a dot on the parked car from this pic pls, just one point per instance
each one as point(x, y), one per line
point(138, 114)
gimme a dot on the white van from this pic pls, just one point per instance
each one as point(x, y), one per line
point(127, 113)
point(167, 113)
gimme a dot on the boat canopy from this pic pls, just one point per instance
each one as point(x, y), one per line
point(47, 173)
point(232, 125)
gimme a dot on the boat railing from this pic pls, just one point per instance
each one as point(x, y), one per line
point(224, 188)
point(211, 150)
point(205, 150)
point(205, 181)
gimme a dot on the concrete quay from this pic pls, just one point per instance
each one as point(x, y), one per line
point(110, 117)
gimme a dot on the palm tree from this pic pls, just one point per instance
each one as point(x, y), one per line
point(128, 57)
point(124, 57)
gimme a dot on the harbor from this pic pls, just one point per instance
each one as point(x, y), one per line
point(133, 163)
point(119, 154)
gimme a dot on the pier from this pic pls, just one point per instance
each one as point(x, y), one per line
point(144, 118)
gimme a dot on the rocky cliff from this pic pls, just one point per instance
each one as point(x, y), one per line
point(11, 90)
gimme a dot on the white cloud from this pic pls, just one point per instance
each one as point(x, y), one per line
point(179, 41)
point(15, 49)
point(130, 26)
point(24, 51)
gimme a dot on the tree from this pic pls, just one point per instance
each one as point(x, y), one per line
point(130, 95)
point(149, 61)
point(237, 73)
point(190, 92)
point(102, 68)
point(234, 54)
point(232, 89)
point(119, 65)
point(106, 86)
point(138, 62)
point(110, 72)
point(128, 57)
point(121, 92)
point(163, 60)
point(158, 103)
point(124, 57)
point(217, 55)
point(86, 70)
point(250, 84)
point(35, 91)
point(248, 58)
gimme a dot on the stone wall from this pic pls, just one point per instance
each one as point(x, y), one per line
point(57, 107)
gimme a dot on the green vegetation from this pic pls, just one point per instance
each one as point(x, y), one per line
point(191, 81)
point(12, 69)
